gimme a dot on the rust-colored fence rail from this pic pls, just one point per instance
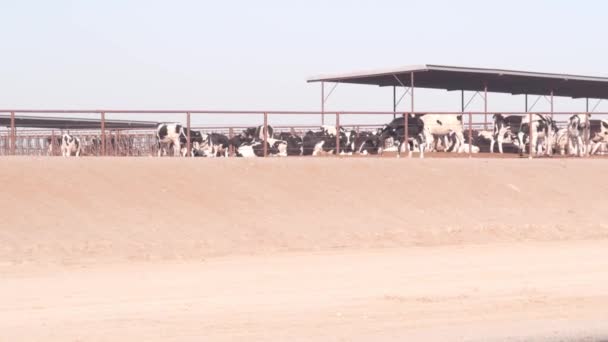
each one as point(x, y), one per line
point(132, 142)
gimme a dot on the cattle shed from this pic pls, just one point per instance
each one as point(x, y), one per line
point(72, 123)
point(479, 80)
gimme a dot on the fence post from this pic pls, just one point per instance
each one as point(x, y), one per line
point(265, 134)
point(406, 134)
point(471, 134)
point(188, 141)
point(337, 134)
point(103, 134)
point(529, 136)
point(588, 136)
point(13, 134)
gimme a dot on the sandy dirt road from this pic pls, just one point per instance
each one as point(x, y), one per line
point(276, 250)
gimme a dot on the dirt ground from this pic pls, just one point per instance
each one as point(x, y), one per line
point(303, 249)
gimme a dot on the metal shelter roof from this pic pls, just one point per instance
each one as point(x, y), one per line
point(474, 79)
point(72, 123)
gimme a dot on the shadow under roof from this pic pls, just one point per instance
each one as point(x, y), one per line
point(474, 79)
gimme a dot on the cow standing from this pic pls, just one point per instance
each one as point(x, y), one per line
point(176, 136)
point(504, 126)
point(70, 145)
point(544, 131)
point(395, 131)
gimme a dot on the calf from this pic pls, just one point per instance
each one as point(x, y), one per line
point(70, 145)
point(504, 126)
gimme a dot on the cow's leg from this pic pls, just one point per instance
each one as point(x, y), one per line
point(421, 144)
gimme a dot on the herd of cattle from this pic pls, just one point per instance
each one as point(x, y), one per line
point(425, 133)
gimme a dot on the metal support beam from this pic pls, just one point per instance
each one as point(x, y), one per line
point(529, 136)
point(587, 105)
point(406, 132)
point(322, 104)
point(551, 104)
point(394, 102)
point(526, 103)
point(485, 106)
point(462, 101)
point(337, 134)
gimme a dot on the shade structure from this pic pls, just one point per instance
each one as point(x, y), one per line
point(476, 79)
point(73, 123)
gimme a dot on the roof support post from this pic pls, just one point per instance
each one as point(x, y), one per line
point(587, 105)
point(485, 105)
point(337, 134)
point(394, 102)
point(406, 132)
point(462, 101)
point(322, 103)
point(551, 103)
point(526, 102)
point(13, 134)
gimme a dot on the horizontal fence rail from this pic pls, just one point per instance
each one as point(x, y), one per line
point(142, 142)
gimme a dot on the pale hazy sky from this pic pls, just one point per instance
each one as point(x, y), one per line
point(258, 54)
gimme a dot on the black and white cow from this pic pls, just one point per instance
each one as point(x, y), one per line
point(598, 134)
point(367, 143)
point(395, 132)
point(346, 139)
point(257, 133)
point(578, 130)
point(443, 125)
point(274, 148)
point(70, 145)
point(544, 132)
point(504, 126)
point(176, 136)
point(294, 143)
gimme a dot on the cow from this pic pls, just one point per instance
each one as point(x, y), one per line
point(367, 143)
point(395, 131)
point(544, 130)
point(294, 143)
point(219, 145)
point(347, 138)
point(504, 126)
point(274, 148)
point(578, 126)
point(257, 133)
point(70, 145)
point(442, 125)
point(176, 136)
point(314, 143)
point(598, 134)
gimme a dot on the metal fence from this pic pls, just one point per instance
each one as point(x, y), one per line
point(133, 142)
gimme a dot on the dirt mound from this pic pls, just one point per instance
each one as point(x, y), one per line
point(92, 209)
